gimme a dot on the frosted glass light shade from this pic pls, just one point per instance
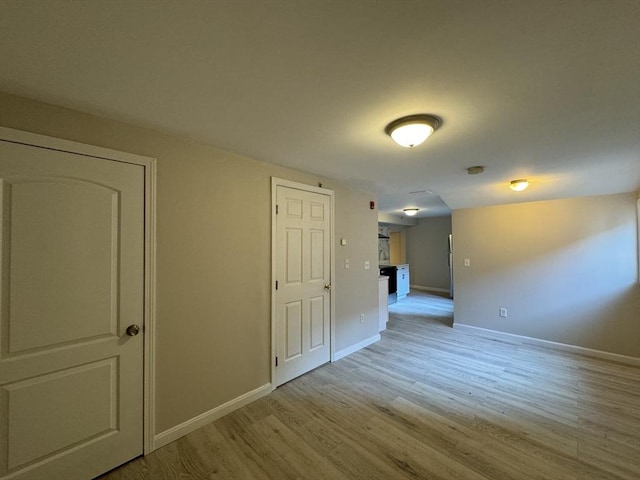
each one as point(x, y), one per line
point(412, 134)
point(410, 212)
point(412, 130)
point(519, 185)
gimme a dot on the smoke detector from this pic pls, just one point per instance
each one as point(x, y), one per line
point(475, 170)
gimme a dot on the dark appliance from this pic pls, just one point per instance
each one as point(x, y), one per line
point(391, 271)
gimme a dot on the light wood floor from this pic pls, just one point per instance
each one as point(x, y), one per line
point(426, 402)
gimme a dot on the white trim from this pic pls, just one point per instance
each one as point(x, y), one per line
point(150, 305)
point(429, 289)
point(274, 234)
point(564, 347)
point(638, 234)
point(149, 164)
point(280, 182)
point(275, 181)
point(354, 348)
point(205, 418)
point(53, 143)
point(332, 296)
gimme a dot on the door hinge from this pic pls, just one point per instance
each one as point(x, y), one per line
point(276, 361)
point(277, 209)
point(276, 284)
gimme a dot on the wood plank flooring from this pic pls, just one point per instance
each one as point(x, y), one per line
point(426, 402)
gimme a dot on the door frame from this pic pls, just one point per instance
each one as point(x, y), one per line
point(149, 165)
point(280, 182)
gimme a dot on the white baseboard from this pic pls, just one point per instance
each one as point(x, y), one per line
point(168, 436)
point(430, 289)
point(354, 348)
point(614, 357)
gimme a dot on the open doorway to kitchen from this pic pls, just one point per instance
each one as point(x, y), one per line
point(423, 255)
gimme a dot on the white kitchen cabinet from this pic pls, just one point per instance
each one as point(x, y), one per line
point(403, 281)
point(383, 297)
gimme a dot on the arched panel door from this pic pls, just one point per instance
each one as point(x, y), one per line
point(72, 283)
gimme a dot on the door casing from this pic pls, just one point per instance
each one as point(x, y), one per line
point(149, 165)
point(275, 183)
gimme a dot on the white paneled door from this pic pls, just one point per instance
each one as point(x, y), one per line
point(303, 275)
point(71, 302)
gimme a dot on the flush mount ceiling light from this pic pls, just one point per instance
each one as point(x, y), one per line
point(519, 185)
point(410, 212)
point(412, 130)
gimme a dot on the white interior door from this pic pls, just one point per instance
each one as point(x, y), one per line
point(72, 281)
point(303, 273)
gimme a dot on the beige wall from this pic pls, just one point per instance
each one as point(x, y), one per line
point(428, 252)
point(566, 270)
point(213, 262)
point(354, 295)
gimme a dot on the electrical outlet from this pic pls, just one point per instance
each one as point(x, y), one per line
point(367, 265)
point(362, 318)
point(502, 312)
point(467, 262)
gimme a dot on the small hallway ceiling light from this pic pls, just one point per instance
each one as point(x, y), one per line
point(410, 212)
point(412, 130)
point(519, 185)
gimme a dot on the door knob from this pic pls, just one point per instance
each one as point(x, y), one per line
point(327, 286)
point(133, 330)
